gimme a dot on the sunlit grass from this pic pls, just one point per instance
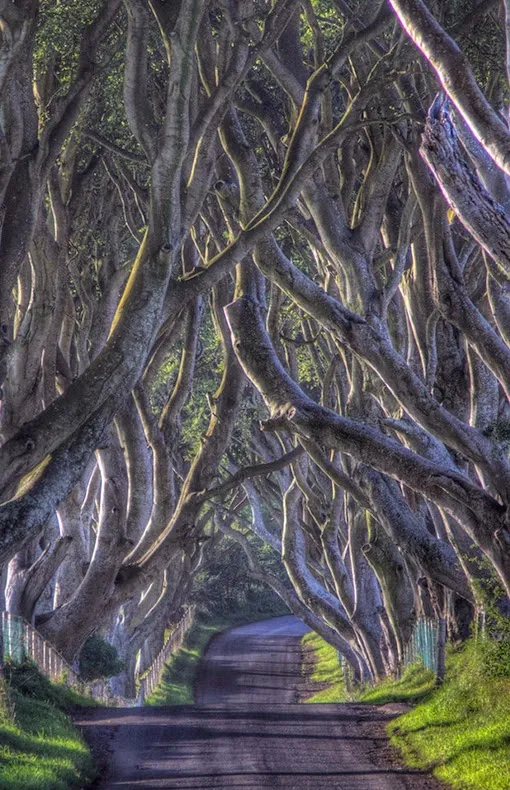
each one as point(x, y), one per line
point(326, 670)
point(40, 749)
point(460, 730)
point(416, 683)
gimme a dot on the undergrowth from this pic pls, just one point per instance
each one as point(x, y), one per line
point(40, 749)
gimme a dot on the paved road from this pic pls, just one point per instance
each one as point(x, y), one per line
point(246, 730)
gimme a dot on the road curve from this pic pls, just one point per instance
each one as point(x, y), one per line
point(246, 730)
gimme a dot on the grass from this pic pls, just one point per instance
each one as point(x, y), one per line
point(27, 680)
point(460, 730)
point(177, 683)
point(415, 685)
point(40, 749)
point(326, 670)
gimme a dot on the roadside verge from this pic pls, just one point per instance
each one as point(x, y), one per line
point(459, 730)
point(40, 748)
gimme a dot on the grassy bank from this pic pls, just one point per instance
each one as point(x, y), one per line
point(460, 730)
point(176, 686)
point(415, 685)
point(40, 749)
point(325, 670)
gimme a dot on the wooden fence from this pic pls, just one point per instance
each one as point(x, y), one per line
point(151, 678)
point(21, 641)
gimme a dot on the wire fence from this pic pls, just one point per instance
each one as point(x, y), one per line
point(427, 644)
point(424, 645)
point(21, 641)
point(152, 677)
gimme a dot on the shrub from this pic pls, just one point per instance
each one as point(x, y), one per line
point(99, 659)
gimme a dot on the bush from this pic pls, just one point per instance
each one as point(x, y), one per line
point(488, 657)
point(99, 659)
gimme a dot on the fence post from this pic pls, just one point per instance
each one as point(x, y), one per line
point(441, 649)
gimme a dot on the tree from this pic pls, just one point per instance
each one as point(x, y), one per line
point(262, 294)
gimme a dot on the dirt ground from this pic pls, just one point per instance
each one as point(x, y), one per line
point(247, 729)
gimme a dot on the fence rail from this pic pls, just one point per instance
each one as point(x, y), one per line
point(151, 678)
point(21, 641)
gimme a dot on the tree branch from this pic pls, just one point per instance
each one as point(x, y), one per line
point(457, 78)
point(248, 472)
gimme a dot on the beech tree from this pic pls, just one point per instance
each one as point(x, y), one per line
point(254, 286)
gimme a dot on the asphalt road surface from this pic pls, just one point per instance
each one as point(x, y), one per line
point(247, 731)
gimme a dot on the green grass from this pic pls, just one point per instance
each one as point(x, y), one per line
point(40, 749)
point(177, 683)
point(416, 684)
point(27, 680)
point(460, 730)
point(326, 670)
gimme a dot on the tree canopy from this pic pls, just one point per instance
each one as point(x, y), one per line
point(254, 287)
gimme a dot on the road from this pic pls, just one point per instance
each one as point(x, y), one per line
point(246, 730)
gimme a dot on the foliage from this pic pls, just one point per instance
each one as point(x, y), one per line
point(499, 430)
point(39, 747)
point(59, 32)
point(227, 591)
point(494, 657)
point(99, 659)
point(493, 644)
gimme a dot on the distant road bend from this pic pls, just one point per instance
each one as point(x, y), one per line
point(246, 730)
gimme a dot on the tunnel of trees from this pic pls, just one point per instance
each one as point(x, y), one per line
point(254, 294)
